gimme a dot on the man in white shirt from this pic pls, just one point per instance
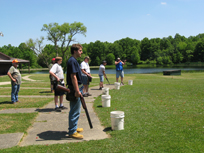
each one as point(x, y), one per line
point(102, 73)
point(58, 76)
point(85, 69)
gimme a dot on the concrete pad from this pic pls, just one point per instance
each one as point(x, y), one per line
point(18, 110)
point(10, 140)
point(5, 83)
point(51, 127)
point(27, 78)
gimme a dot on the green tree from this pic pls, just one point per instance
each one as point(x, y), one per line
point(63, 35)
point(110, 58)
point(135, 57)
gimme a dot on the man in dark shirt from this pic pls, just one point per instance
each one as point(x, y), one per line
point(74, 80)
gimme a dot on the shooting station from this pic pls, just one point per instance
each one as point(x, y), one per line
point(6, 63)
point(172, 72)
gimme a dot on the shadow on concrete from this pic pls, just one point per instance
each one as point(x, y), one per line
point(45, 92)
point(6, 102)
point(52, 135)
point(47, 110)
point(107, 129)
point(95, 89)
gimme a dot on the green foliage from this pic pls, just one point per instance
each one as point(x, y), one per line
point(168, 50)
point(110, 58)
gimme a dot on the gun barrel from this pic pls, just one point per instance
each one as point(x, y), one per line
point(86, 111)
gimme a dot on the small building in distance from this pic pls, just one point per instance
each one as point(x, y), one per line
point(6, 63)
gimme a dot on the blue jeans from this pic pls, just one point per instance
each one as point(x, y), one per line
point(101, 78)
point(14, 93)
point(75, 110)
point(120, 73)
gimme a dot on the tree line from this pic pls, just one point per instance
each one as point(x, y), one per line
point(167, 50)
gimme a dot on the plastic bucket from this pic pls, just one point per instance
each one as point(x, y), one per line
point(130, 82)
point(117, 85)
point(105, 91)
point(117, 120)
point(106, 100)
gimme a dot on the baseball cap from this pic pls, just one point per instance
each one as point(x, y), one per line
point(15, 61)
point(104, 62)
point(58, 58)
point(87, 57)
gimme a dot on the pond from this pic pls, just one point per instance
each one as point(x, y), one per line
point(136, 70)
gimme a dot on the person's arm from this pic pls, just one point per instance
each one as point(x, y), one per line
point(116, 62)
point(123, 62)
point(54, 75)
point(83, 71)
point(104, 74)
point(75, 84)
point(9, 74)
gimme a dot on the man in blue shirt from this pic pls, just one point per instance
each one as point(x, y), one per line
point(119, 70)
point(74, 81)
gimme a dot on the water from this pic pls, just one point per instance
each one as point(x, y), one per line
point(135, 70)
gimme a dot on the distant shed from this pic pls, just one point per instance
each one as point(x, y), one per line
point(6, 63)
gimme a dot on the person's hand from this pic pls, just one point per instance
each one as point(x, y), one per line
point(125, 60)
point(77, 94)
point(58, 79)
point(14, 80)
point(89, 75)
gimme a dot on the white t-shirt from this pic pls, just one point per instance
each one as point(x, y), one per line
point(85, 66)
point(101, 69)
point(57, 70)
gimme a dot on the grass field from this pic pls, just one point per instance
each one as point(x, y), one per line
point(162, 114)
point(5, 103)
point(13, 123)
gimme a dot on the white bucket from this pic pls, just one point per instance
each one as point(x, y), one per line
point(117, 85)
point(117, 120)
point(130, 82)
point(106, 100)
point(105, 91)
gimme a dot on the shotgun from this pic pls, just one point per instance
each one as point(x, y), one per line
point(62, 88)
point(107, 80)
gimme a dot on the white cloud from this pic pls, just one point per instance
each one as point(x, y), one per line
point(163, 3)
point(148, 14)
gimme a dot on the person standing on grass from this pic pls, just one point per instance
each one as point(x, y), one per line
point(51, 81)
point(58, 76)
point(102, 73)
point(119, 70)
point(74, 82)
point(85, 69)
point(15, 77)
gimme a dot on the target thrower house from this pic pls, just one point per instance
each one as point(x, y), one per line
point(6, 62)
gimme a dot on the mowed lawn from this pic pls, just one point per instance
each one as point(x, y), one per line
point(162, 114)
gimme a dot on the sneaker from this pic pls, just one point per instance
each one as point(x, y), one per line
point(85, 95)
point(62, 107)
point(88, 94)
point(80, 130)
point(76, 135)
point(100, 88)
point(122, 84)
point(18, 101)
point(57, 109)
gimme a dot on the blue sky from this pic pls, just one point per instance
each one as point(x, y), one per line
point(106, 20)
